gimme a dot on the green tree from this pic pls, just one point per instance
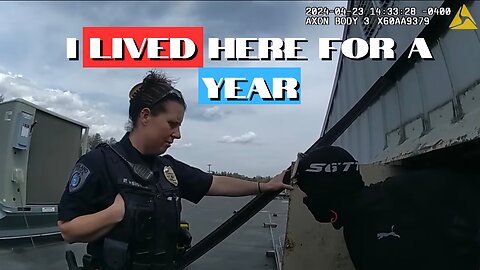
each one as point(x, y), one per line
point(111, 140)
point(94, 140)
point(1, 98)
point(257, 178)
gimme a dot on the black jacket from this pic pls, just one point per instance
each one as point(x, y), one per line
point(423, 220)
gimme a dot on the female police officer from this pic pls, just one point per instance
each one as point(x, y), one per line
point(123, 199)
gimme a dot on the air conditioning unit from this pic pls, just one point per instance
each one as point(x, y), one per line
point(39, 149)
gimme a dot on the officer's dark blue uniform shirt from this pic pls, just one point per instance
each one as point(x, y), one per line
point(90, 189)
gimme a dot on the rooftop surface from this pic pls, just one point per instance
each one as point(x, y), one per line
point(244, 249)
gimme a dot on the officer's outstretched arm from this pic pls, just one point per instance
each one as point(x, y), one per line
point(229, 186)
point(88, 228)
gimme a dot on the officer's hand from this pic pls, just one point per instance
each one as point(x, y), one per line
point(118, 208)
point(276, 184)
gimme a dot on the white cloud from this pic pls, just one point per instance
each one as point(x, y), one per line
point(243, 139)
point(214, 112)
point(181, 145)
point(63, 102)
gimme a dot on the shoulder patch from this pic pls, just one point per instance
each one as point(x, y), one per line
point(78, 177)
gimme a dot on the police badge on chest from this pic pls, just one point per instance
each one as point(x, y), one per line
point(170, 175)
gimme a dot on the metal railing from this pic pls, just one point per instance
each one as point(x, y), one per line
point(277, 242)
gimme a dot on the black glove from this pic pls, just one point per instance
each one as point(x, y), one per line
point(287, 176)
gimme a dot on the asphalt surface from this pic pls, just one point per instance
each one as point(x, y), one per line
point(244, 249)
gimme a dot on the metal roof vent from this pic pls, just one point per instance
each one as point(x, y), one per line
point(384, 3)
point(371, 10)
point(368, 30)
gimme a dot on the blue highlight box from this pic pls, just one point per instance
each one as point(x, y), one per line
point(254, 85)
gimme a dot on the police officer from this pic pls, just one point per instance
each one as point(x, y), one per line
point(124, 199)
point(428, 219)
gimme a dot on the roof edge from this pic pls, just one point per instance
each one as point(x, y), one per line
point(337, 74)
point(21, 100)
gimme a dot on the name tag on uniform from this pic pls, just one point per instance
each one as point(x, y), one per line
point(170, 175)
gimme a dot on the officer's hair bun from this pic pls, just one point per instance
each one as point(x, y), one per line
point(154, 80)
point(158, 81)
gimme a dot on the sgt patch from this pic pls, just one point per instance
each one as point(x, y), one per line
point(170, 175)
point(79, 175)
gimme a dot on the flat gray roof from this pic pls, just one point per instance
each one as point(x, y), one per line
point(244, 249)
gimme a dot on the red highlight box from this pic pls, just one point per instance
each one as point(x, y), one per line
point(144, 47)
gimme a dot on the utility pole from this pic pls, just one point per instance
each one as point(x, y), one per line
point(209, 165)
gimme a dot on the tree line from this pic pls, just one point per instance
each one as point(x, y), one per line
point(96, 139)
point(257, 178)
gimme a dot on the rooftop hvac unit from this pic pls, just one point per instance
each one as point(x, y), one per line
point(39, 149)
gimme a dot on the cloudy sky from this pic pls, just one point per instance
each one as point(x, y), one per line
point(248, 139)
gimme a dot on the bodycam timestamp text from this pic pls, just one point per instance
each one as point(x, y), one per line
point(318, 15)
